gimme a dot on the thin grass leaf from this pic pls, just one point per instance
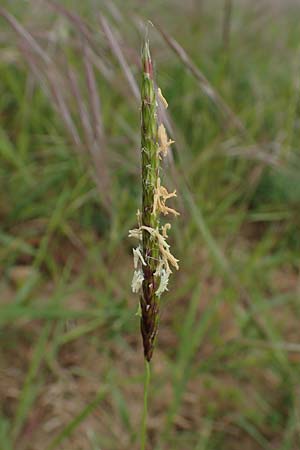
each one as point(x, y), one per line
point(74, 18)
point(82, 110)
point(29, 390)
point(30, 49)
point(116, 49)
point(205, 85)
point(81, 27)
point(11, 313)
point(68, 430)
point(25, 35)
point(94, 99)
point(192, 335)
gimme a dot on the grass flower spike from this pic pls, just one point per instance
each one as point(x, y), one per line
point(152, 257)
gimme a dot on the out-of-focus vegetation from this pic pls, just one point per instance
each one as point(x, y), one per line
point(227, 364)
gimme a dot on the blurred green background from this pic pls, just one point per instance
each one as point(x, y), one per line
point(225, 373)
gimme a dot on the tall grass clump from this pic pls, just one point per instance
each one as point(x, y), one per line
point(152, 257)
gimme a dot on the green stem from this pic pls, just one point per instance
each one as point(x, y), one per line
point(145, 408)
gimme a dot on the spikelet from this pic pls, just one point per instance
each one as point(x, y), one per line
point(164, 142)
point(160, 196)
point(162, 98)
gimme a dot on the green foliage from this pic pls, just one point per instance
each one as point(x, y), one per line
point(226, 370)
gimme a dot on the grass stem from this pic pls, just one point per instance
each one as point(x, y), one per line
point(145, 408)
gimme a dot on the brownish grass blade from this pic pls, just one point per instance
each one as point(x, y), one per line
point(25, 35)
point(94, 98)
point(62, 92)
point(82, 110)
point(205, 85)
point(73, 18)
point(116, 49)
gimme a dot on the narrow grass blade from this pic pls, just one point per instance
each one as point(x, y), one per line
point(29, 390)
point(205, 85)
point(116, 49)
point(68, 430)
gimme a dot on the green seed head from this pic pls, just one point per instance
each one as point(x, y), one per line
point(152, 257)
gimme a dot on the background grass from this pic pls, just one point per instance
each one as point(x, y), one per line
point(226, 368)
